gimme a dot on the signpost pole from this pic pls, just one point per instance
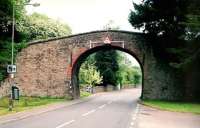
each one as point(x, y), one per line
point(11, 96)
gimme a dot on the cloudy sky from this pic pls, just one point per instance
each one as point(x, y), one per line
point(87, 15)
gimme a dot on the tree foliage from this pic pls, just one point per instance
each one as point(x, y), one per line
point(128, 73)
point(6, 11)
point(170, 23)
point(193, 21)
point(27, 28)
point(173, 26)
point(106, 63)
point(111, 67)
point(160, 17)
point(89, 74)
point(39, 26)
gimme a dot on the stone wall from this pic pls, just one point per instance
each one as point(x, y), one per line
point(4, 88)
point(50, 68)
point(41, 69)
point(160, 80)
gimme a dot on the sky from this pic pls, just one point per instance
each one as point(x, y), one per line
point(87, 15)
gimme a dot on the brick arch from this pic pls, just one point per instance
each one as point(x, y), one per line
point(86, 53)
point(46, 67)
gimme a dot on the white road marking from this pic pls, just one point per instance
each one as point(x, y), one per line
point(24, 117)
point(134, 118)
point(67, 123)
point(132, 123)
point(134, 114)
point(102, 106)
point(85, 114)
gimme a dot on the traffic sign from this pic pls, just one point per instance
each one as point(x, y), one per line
point(107, 41)
point(11, 69)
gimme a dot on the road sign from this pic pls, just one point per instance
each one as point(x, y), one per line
point(11, 69)
point(107, 41)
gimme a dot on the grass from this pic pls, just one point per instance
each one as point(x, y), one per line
point(26, 103)
point(84, 94)
point(174, 106)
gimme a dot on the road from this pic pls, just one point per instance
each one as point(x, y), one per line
point(104, 110)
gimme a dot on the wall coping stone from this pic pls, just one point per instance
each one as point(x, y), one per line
point(79, 34)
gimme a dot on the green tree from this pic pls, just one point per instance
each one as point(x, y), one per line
point(170, 23)
point(128, 73)
point(193, 20)
point(189, 52)
point(160, 17)
point(136, 74)
point(163, 21)
point(39, 26)
point(173, 26)
point(106, 63)
point(125, 73)
point(27, 28)
point(88, 74)
point(6, 11)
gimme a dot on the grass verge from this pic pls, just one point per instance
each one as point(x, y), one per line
point(174, 106)
point(26, 103)
point(84, 94)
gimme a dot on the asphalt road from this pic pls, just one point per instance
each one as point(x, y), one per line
point(105, 110)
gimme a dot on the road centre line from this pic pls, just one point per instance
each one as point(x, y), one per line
point(67, 123)
point(134, 118)
point(102, 106)
point(85, 114)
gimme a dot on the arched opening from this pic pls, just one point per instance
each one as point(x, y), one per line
point(83, 56)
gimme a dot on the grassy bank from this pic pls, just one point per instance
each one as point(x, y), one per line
point(26, 103)
point(174, 106)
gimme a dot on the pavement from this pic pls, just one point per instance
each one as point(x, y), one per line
point(118, 109)
point(153, 118)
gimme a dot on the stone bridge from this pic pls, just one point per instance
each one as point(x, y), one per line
point(50, 67)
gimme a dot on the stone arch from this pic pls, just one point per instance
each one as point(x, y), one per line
point(84, 55)
point(45, 67)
